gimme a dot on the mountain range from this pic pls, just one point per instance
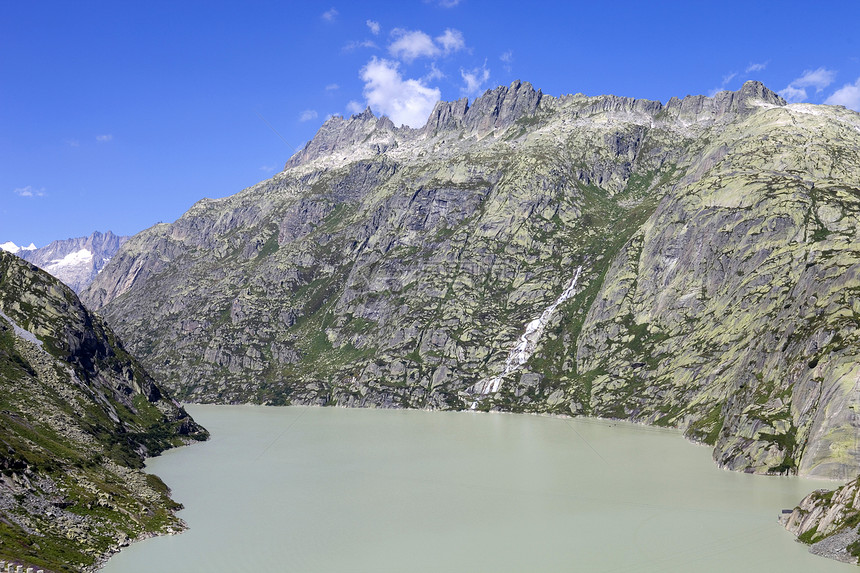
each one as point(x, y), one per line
point(693, 264)
point(76, 262)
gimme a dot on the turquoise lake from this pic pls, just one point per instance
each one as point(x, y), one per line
point(330, 490)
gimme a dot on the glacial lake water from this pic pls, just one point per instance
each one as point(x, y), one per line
point(334, 490)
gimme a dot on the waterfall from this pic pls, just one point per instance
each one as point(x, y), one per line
point(526, 344)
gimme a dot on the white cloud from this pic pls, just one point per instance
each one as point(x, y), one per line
point(722, 87)
point(409, 45)
point(448, 3)
point(434, 73)
point(267, 168)
point(104, 138)
point(330, 14)
point(332, 87)
point(308, 115)
point(354, 107)
point(755, 67)
point(362, 44)
point(474, 79)
point(29, 191)
point(406, 102)
point(792, 94)
point(507, 58)
point(73, 143)
point(818, 79)
point(451, 41)
point(848, 95)
point(374, 27)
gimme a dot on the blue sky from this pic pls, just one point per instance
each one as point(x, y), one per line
point(118, 115)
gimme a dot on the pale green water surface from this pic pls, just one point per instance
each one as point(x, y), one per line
point(331, 490)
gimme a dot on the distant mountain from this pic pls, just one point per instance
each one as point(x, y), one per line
point(78, 415)
point(11, 247)
point(77, 261)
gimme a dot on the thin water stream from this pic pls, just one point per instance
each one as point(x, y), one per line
point(334, 490)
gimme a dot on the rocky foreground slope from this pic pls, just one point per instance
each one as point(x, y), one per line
point(77, 417)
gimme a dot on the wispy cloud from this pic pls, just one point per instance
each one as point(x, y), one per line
point(354, 107)
point(332, 87)
point(753, 67)
point(104, 138)
point(434, 74)
point(308, 115)
point(73, 143)
point(819, 79)
point(374, 27)
point(443, 3)
point(848, 95)
point(330, 15)
point(406, 102)
point(474, 79)
point(267, 168)
point(354, 45)
point(792, 94)
point(507, 59)
point(725, 82)
point(411, 44)
point(29, 191)
point(451, 41)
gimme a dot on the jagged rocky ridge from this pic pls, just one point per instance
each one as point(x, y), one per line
point(397, 267)
point(76, 262)
point(77, 417)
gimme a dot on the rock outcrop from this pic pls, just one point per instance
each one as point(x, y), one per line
point(397, 267)
point(828, 521)
point(78, 417)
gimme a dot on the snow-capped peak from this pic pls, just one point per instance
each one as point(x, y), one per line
point(11, 247)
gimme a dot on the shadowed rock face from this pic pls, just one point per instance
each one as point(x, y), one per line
point(78, 417)
point(397, 267)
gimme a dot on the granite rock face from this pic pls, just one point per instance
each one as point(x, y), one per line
point(398, 267)
point(78, 417)
point(828, 521)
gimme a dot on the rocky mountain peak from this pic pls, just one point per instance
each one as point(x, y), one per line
point(723, 105)
point(496, 109)
point(338, 133)
point(77, 261)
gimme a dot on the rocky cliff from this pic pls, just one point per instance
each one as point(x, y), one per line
point(78, 417)
point(714, 243)
point(76, 262)
point(828, 521)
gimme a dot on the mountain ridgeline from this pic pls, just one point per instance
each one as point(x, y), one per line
point(76, 262)
point(709, 245)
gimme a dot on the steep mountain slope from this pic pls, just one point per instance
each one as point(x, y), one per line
point(713, 243)
point(76, 262)
point(77, 418)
